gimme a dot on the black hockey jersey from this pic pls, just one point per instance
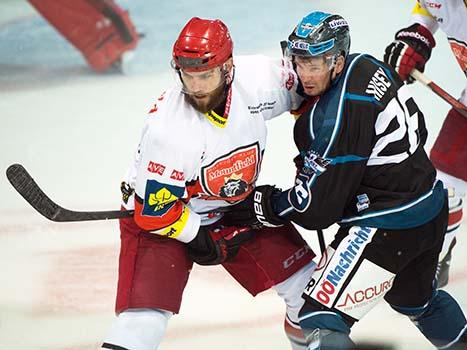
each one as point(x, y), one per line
point(363, 159)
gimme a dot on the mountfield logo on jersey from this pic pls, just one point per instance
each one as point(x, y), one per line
point(236, 167)
point(334, 277)
point(378, 85)
point(231, 175)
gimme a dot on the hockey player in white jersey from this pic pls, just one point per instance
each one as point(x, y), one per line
point(200, 151)
point(412, 49)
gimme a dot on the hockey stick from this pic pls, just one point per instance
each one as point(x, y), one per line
point(422, 78)
point(31, 192)
point(322, 243)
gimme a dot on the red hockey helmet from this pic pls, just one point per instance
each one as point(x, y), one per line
point(202, 44)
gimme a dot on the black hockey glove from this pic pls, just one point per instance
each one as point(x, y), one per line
point(410, 49)
point(255, 210)
point(215, 245)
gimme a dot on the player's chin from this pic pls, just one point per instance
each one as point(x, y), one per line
point(202, 105)
point(311, 91)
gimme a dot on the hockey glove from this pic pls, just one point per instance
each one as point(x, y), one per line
point(410, 49)
point(255, 210)
point(299, 163)
point(215, 245)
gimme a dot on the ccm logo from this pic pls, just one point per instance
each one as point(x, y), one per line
point(295, 257)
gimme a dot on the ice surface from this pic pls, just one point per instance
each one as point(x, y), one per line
point(75, 131)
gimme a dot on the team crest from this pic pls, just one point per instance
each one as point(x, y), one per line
point(233, 186)
point(231, 176)
point(313, 163)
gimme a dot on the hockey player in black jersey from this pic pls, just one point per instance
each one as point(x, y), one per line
point(362, 165)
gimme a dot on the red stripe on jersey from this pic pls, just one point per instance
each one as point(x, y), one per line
point(455, 217)
point(151, 223)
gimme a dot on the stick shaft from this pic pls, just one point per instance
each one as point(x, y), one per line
point(422, 78)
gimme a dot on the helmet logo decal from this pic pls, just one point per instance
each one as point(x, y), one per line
point(338, 23)
point(312, 49)
point(298, 44)
point(304, 29)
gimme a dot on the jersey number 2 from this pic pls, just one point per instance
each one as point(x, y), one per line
point(401, 114)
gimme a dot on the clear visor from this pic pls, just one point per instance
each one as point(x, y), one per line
point(201, 83)
point(314, 64)
point(317, 57)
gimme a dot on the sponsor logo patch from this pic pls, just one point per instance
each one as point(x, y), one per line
point(337, 23)
point(433, 5)
point(304, 29)
point(174, 230)
point(368, 286)
point(156, 168)
point(159, 197)
point(177, 175)
point(460, 51)
point(328, 284)
point(261, 107)
point(298, 44)
point(414, 35)
point(319, 270)
point(299, 254)
point(363, 202)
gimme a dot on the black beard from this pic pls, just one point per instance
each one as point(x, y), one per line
point(216, 97)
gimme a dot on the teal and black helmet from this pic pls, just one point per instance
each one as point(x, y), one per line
point(320, 33)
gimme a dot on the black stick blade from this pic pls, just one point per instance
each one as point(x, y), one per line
point(31, 192)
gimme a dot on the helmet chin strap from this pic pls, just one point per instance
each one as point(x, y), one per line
point(228, 75)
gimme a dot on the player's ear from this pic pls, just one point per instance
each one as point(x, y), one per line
point(228, 64)
point(340, 62)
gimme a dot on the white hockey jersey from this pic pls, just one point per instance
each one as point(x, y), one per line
point(187, 164)
point(451, 17)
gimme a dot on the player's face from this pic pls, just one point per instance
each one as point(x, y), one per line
point(201, 84)
point(315, 74)
point(204, 89)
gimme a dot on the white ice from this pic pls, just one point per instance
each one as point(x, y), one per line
point(75, 132)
